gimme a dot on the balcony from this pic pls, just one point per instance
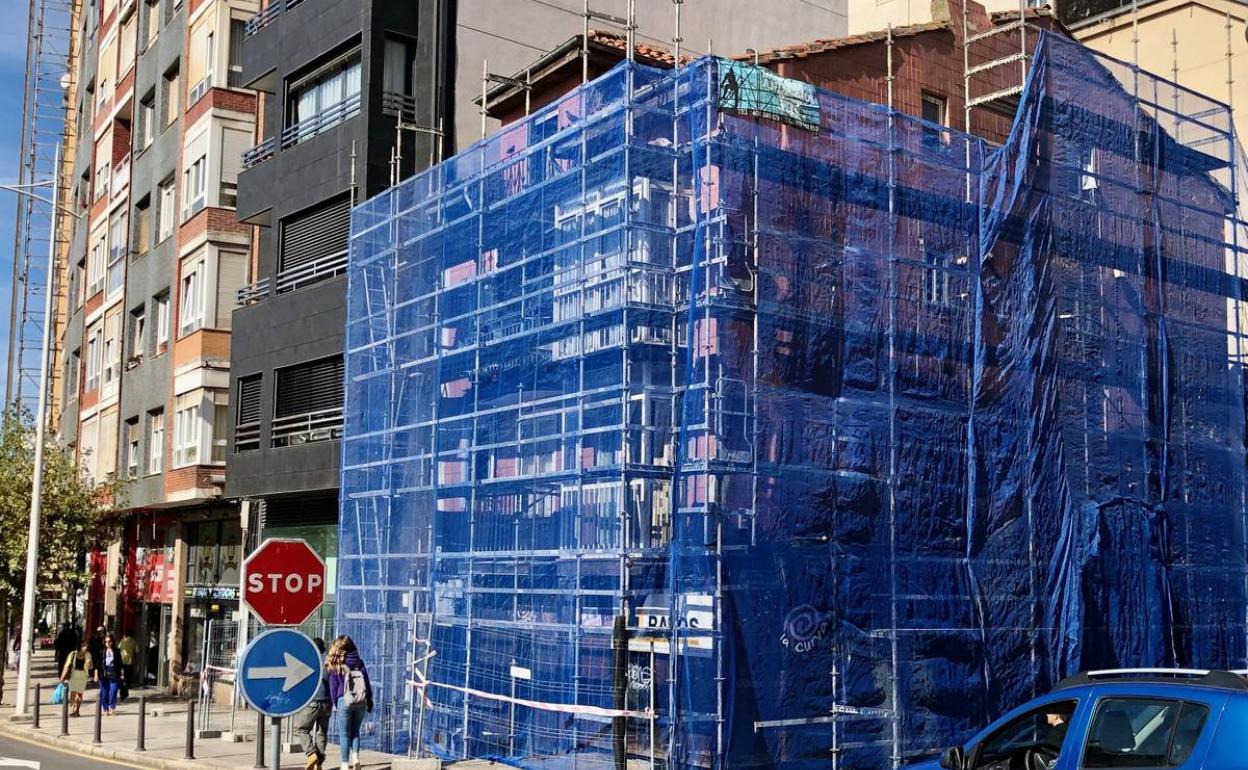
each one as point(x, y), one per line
point(322, 121)
point(398, 105)
point(264, 18)
point(248, 295)
point(260, 153)
point(295, 430)
point(313, 272)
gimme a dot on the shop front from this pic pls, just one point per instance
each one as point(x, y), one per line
point(214, 553)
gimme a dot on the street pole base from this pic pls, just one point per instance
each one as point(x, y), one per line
point(20, 718)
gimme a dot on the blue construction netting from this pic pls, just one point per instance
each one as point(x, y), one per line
point(708, 419)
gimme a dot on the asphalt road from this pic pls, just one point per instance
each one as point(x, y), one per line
point(19, 754)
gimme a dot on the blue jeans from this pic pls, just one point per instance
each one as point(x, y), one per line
point(108, 694)
point(349, 721)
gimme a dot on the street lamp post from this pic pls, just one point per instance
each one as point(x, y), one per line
point(36, 477)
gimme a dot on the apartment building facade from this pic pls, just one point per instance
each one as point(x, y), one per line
point(155, 261)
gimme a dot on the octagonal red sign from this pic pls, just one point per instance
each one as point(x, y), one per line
point(283, 581)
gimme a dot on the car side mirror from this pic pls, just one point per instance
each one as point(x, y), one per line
point(952, 758)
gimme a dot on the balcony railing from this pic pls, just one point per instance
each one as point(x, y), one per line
point(325, 425)
point(399, 105)
point(247, 295)
point(316, 270)
point(260, 153)
point(264, 18)
point(247, 437)
point(322, 121)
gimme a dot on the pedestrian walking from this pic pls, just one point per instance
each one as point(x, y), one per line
point(76, 673)
point(111, 675)
point(312, 723)
point(352, 696)
point(129, 650)
point(64, 644)
point(17, 648)
point(97, 651)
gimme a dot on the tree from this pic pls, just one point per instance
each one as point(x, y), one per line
point(76, 515)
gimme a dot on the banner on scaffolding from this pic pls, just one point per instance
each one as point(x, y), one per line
point(753, 90)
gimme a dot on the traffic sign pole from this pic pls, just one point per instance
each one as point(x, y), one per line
point(275, 738)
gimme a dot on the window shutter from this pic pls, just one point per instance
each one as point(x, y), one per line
point(319, 232)
point(249, 394)
point(231, 276)
point(310, 387)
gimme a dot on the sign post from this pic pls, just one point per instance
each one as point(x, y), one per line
point(279, 673)
point(280, 670)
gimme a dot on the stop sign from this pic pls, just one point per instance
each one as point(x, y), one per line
point(283, 581)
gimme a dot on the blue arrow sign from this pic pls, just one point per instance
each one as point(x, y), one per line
point(279, 672)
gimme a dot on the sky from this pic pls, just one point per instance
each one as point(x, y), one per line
point(12, 73)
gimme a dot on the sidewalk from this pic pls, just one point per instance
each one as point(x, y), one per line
point(165, 732)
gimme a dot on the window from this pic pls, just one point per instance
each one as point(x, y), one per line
point(315, 236)
point(95, 266)
point(399, 78)
point(160, 309)
point(1143, 732)
point(94, 343)
point(238, 32)
point(186, 430)
point(191, 297)
point(308, 403)
point(247, 420)
point(938, 280)
point(220, 426)
point(231, 276)
point(194, 187)
point(78, 287)
point(132, 448)
point(935, 109)
point(1042, 729)
point(155, 440)
point(126, 45)
point(112, 348)
point(137, 335)
point(233, 144)
point(102, 165)
point(323, 99)
point(171, 95)
point(165, 212)
point(142, 235)
point(151, 21)
point(200, 59)
point(72, 372)
point(147, 120)
point(117, 234)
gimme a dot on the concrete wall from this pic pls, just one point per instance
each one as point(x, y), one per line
point(511, 34)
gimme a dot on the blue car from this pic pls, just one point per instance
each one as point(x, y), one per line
point(1179, 719)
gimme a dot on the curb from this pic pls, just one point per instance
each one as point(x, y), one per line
point(136, 758)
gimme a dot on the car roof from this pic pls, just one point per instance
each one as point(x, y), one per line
point(1235, 681)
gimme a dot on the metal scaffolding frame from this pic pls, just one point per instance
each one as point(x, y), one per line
point(50, 79)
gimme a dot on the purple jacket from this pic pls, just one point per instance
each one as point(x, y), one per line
point(337, 682)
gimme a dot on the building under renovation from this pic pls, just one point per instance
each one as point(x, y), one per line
point(705, 418)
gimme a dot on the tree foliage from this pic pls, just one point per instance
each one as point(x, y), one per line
point(76, 514)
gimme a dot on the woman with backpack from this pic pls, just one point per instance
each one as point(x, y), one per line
point(351, 694)
point(76, 673)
